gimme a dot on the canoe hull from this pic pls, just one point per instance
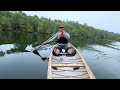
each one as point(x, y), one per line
point(68, 67)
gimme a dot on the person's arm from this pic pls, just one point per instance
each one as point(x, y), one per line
point(67, 35)
point(51, 39)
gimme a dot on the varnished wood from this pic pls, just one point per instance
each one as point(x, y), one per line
point(65, 67)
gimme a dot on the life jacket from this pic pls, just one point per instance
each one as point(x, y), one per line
point(62, 35)
point(62, 39)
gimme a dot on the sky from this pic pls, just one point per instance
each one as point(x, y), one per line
point(105, 20)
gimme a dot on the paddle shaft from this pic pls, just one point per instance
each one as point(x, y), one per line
point(43, 44)
point(36, 52)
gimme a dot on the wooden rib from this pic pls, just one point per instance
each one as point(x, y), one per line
point(66, 77)
point(67, 65)
point(85, 75)
point(59, 70)
point(69, 78)
point(62, 75)
point(68, 73)
point(67, 59)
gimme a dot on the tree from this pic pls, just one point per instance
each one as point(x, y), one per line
point(19, 21)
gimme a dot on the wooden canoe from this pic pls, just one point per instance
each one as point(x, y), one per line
point(63, 67)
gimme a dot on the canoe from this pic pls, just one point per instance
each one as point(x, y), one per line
point(64, 66)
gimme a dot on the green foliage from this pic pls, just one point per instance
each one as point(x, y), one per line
point(19, 21)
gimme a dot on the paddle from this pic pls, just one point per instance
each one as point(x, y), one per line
point(35, 49)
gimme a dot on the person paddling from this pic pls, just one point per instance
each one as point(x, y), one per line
point(62, 38)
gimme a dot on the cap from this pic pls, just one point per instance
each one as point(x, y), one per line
point(61, 26)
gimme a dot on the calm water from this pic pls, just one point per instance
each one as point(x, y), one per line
point(103, 57)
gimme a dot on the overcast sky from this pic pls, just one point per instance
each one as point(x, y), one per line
point(105, 20)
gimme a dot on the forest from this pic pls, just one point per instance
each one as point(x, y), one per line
point(18, 21)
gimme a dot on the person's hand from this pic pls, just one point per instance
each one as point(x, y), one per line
point(62, 31)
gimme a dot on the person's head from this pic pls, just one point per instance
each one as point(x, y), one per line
point(61, 28)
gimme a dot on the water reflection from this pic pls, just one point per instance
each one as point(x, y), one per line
point(85, 42)
point(2, 53)
point(5, 47)
point(15, 42)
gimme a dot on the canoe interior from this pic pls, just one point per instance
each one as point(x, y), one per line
point(68, 67)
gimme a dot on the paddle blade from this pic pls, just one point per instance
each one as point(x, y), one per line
point(35, 52)
point(29, 48)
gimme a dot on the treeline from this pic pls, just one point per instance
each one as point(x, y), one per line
point(19, 21)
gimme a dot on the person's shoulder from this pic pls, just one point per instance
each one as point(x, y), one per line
point(58, 32)
point(66, 32)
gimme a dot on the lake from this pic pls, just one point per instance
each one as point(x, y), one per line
point(102, 56)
